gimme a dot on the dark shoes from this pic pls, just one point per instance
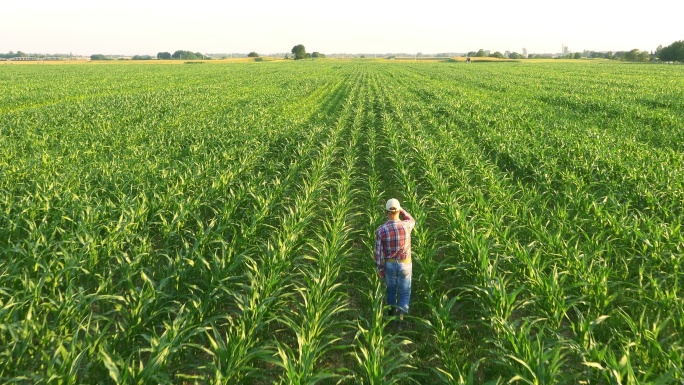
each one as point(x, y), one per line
point(399, 325)
point(396, 324)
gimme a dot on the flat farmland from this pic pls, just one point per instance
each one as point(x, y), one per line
point(215, 223)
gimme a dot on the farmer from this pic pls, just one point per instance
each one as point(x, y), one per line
point(393, 257)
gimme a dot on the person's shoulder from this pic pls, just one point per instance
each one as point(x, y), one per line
point(385, 225)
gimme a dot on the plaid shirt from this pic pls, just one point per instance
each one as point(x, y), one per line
point(393, 240)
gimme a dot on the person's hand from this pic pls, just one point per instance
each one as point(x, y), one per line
point(381, 273)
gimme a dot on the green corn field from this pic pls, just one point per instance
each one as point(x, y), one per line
point(214, 224)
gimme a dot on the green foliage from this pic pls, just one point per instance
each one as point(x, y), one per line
point(253, 54)
point(166, 224)
point(12, 54)
point(299, 52)
point(636, 55)
point(163, 56)
point(673, 52)
point(187, 55)
point(99, 57)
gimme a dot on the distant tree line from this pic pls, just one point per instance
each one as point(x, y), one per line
point(634, 55)
point(182, 55)
point(12, 54)
point(497, 54)
point(672, 53)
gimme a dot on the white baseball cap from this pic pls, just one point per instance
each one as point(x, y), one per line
point(392, 205)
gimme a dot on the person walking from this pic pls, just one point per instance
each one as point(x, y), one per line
point(393, 257)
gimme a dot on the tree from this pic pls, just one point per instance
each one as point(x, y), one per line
point(99, 57)
point(658, 51)
point(497, 55)
point(163, 56)
point(515, 55)
point(317, 54)
point(252, 54)
point(481, 53)
point(186, 55)
point(636, 55)
point(299, 52)
point(632, 55)
point(142, 57)
point(618, 55)
point(577, 55)
point(673, 52)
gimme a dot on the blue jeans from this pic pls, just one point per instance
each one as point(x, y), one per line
point(398, 279)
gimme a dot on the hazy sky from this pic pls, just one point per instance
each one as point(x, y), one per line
point(352, 26)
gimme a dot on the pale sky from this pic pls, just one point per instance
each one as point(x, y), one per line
point(140, 27)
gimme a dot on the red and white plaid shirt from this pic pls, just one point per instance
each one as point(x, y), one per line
point(393, 240)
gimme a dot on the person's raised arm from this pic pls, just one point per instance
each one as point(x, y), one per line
point(407, 217)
